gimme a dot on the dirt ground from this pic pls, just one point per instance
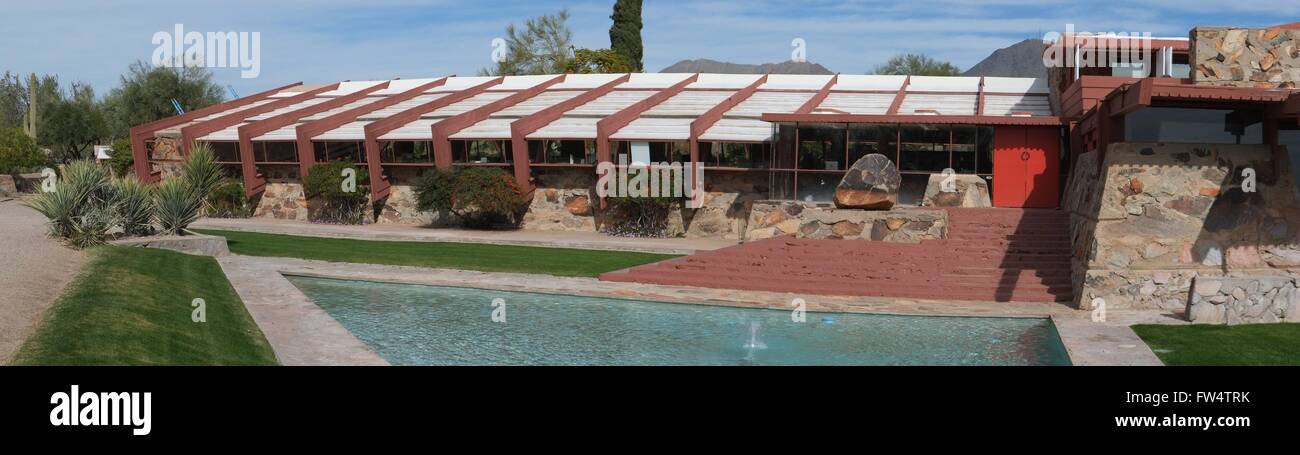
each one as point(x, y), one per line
point(34, 269)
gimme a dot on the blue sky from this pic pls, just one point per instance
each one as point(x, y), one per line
point(332, 40)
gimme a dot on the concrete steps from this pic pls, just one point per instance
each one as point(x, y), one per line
point(1006, 255)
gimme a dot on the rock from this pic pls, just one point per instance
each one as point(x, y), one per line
point(7, 186)
point(1213, 256)
point(1120, 261)
point(1210, 192)
point(1160, 278)
point(578, 205)
point(872, 184)
point(1147, 289)
point(1244, 257)
point(1153, 250)
point(968, 191)
point(1239, 294)
point(895, 223)
point(1207, 287)
point(846, 229)
point(1205, 313)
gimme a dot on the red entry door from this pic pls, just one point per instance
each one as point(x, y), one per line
point(1026, 167)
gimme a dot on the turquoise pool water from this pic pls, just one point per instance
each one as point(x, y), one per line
point(433, 325)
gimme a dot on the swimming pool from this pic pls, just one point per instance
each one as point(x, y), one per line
point(434, 325)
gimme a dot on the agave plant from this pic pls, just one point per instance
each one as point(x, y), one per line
point(133, 206)
point(177, 205)
point(60, 207)
point(201, 170)
point(88, 184)
point(90, 228)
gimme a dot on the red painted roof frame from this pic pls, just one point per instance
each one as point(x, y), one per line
point(254, 184)
point(938, 119)
point(711, 117)
point(979, 100)
point(816, 100)
point(610, 125)
point(306, 131)
point(520, 129)
point(140, 134)
point(191, 133)
point(443, 130)
point(898, 99)
point(379, 186)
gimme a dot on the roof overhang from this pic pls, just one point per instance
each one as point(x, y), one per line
point(933, 119)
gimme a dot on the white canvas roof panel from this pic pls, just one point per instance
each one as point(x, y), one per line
point(297, 90)
point(468, 104)
point(225, 134)
point(350, 87)
point(611, 102)
point(868, 82)
point(287, 109)
point(568, 128)
point(402, 106)
point(343, 108)
point(739, 130)
point(585, 81)
point(944, 104)
point(421, 129)
point(522, 82)
point(810, 82)
point(455, 84)
point(354, 131)
point(401, 85)
point(657, 128)
point(944, 84)
point(857, 103)
point(541, 101)
point(1012, 105)
point(692, 103)
point(724, 81)
point(770, 102)
point(1015, 85)
point(653, 80)
point(493, 128)
point(285, 133)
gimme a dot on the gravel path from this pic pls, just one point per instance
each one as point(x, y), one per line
point(33, 271)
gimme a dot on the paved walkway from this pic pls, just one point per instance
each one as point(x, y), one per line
point(33, 273)
point(1089, 343)
point(580, 240)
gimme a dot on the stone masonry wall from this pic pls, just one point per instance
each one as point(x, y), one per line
point(1247, 300)
point(1165, 215)
point(1242, 57)
point(563, 200)
point(282, 201)
point(823, 221)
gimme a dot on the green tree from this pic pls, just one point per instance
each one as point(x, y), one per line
point(72, 125)
point(147, 91)
point(916, 65)
point(625, 34)
point(12, 101)
point(19, 153)
point(589, 61)
point(121, 159)
point(543, 46)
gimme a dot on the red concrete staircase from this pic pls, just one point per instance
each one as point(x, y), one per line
point(1004, 255)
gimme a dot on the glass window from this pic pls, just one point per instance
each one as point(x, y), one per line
point(225, 152)
point(565, 152)
point(865, 139)
point(821, 146)
point(984, 151)
point(730, 154)
point(353, 152)
point(965, 143)
point(818, 186)
point(1189, 125)
point(924, 148)
point(275, 152)
point(485, 152)
point(405, 152)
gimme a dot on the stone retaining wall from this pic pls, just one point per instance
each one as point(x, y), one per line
point(1244, 300)
point(823, 221)
point(1163, 215)
point(1243, 57)
point(282, 201)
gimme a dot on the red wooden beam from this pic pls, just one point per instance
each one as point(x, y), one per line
point(938, 119)
point(610, 125)
point(305, 157)
point(443, 130)
point(979, 106)
point(520, 129)
point(379, 186)
point(711, 117)
point(898, 99)
point(817, 99)
point(140, 134)
point(191, 133)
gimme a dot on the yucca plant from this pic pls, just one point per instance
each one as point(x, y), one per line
point(88, 183)
point(90, 228)
point(133, 206)
point(176, 205)
point(59, 207)
point(201, 170)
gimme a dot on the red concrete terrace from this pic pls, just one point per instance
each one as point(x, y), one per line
point(1003, 255)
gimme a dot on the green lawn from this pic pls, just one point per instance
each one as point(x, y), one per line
point(447, 255)
point(132, 306)
point(1264, 344)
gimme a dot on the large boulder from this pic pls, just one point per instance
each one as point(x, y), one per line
point(964, 191)
point(871, 184)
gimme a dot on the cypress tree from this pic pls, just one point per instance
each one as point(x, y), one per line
point(625, 34)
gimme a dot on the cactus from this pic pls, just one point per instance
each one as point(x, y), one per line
point(29, 122)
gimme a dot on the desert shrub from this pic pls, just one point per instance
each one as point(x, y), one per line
point(177, 205)
point(19, 152)
point(481, 197)
point(133, 206)
point(229, 200)
point(60, 208)
point(639, 216)
point(80, 209)
point(201, 171)
point(91, 227)
point(120, 159)
point(336, 198)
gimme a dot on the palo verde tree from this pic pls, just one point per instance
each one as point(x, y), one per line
point(592, 61)
point(147, 91)
point(916, 65)
point(625, 33)
point(542, 46)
